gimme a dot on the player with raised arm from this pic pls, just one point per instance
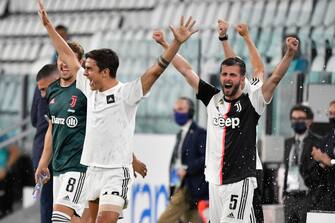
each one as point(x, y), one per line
point(232, 120)
point(111, 110)
point(256, 82)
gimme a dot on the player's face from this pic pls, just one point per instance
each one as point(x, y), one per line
point(44, 83)
point(93, 73)
point(231, 81)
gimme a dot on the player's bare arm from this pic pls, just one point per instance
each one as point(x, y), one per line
point(46, 156)
point(271, 83)
point(179, 62)
point(254, 56)
point(62, 48)
point(181, 34)
point(222, 32)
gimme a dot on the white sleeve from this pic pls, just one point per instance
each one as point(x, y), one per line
point(257, 100)
point(133, 92)
point(253, 85)
point(82, 82)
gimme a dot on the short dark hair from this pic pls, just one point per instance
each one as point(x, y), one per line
point(105, 58)
point(61, 27)
point(232, 61)
point(46, 71)
point(191, 108)
point(331, 103)
point(307, 110)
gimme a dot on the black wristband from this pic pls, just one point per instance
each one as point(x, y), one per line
point(223, 38)
point(163, 63)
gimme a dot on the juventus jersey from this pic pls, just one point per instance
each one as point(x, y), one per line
point(231, 133)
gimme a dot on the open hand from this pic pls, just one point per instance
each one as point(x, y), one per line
point(222, 27)
point(42, 13)
point(184, 31)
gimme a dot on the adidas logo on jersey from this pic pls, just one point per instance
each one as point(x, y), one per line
point(222, 122)
point(231, 215)
point(66, 198)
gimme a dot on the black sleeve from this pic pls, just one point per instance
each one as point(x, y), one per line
point(34, 107)
point(206, 92)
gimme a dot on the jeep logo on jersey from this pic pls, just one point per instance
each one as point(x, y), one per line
point(222, 122)
point(110, 99)
point(71, 121)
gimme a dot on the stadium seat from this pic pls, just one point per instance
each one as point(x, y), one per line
point(246, 11)
point(319, 13)
point(235, 12)
point(281, 14)
point(306, 13)
point(294, 13)
point(330, 15)
point(256, 14)
point(211, 15)
point(270, 11)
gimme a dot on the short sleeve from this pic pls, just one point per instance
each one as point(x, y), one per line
point(206, 92)
point(253, 85)
point(133, 92)
point(257, 100)
point(82, 83)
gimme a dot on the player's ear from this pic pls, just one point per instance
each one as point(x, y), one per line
point(105, 73)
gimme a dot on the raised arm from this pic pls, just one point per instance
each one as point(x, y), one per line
point(179, 62)
point(271, 83)
point(223, 37)
point(181, 34)
point(254, 56)
point(62, 48)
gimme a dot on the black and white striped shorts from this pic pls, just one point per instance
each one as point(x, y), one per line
point(232, 202)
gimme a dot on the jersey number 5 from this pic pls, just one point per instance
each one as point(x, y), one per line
point(233, 202)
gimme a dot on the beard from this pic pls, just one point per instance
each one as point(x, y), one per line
point(231, 92)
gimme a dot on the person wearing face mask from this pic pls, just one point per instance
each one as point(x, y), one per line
point(187, 179)
point(325, 155)
point(302, 173)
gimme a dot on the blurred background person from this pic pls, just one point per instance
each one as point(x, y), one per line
point(302, 175)
point(187, 179)
point(39, 109)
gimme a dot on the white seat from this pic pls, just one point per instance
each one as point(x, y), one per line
point(294, 13)
point(235, 11)
point(330, 15)
point(257, 13)
point(319, 12)
point(270, 11)
point(222, 13)
point(211, 14)
point(306, 13)
point(246, 12)
point(281, 14)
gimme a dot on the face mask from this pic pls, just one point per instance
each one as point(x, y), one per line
point(332, 122)
point(299, 127)
point(181, 118)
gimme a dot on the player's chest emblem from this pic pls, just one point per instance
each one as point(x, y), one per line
point(73, 101)
point(238, 106)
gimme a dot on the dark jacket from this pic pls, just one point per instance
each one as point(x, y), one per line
point(327, 201)
point(39, 109)
point(310, 170)
point(193, 156)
